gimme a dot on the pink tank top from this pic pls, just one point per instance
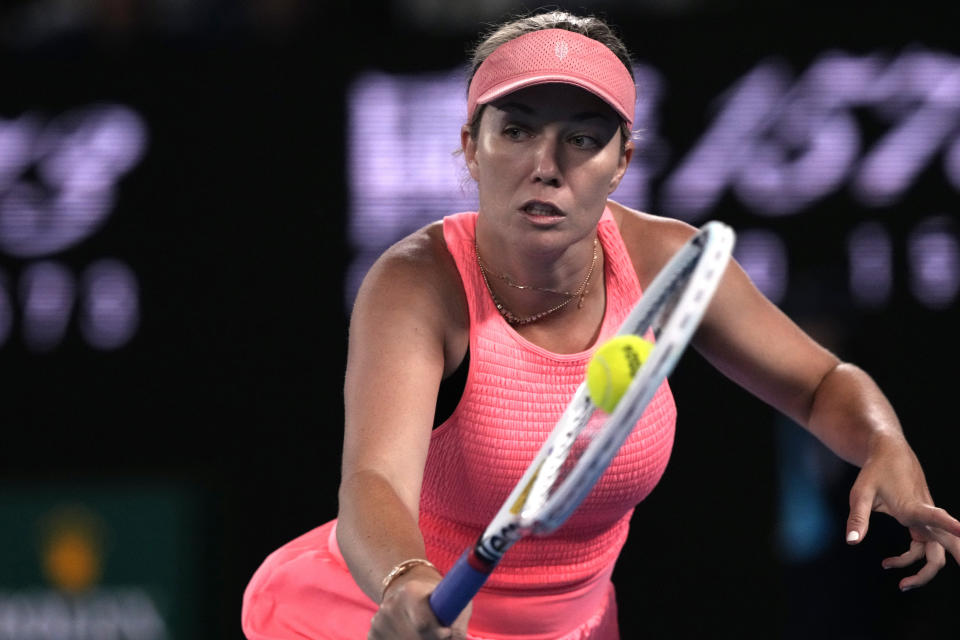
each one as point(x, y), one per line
point(514, 394)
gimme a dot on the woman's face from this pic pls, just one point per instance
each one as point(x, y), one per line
point(545, 159)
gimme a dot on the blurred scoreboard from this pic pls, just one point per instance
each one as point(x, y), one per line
point(58, 183)
point(855, 145)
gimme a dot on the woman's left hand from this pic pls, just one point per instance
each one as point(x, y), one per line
point(892, 482)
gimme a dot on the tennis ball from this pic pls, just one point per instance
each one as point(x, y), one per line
point(612, 368)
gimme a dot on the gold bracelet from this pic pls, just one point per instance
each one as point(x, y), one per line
point(401, 569)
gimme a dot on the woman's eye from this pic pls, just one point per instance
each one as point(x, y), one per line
point(583, 142)
point(514, 133)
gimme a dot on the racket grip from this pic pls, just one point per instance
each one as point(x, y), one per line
point(457, 588)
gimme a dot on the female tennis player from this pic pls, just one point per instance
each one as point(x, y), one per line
point(500, 311)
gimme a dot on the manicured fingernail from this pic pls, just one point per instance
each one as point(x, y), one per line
point(906, 588)
point(853, 536)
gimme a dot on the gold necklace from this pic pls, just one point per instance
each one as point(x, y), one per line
point(516, 320)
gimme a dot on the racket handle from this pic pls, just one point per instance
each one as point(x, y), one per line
point(457, 588)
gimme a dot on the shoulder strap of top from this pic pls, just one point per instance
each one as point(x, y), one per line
point(459, 230)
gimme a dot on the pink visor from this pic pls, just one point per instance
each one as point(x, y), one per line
point(554, 55)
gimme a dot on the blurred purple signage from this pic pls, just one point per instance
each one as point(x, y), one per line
point(58, 180)
point(778, 144)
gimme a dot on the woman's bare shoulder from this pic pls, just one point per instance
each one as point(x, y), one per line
point(418, 264)
point(415, 283)
point(651, 240)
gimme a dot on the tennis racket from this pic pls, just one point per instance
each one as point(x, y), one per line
point(576, 452)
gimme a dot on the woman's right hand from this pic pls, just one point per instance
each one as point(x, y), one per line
point(405, 612)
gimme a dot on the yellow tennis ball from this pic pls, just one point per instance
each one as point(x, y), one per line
point(612, 368)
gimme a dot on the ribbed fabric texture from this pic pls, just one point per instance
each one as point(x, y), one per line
point(514, 395)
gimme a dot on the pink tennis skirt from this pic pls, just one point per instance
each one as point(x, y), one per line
point(304, 590)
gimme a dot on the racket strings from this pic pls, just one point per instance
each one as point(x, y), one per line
point(564, 476)
point(564, 451)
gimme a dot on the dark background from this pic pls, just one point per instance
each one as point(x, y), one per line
point(234, 223)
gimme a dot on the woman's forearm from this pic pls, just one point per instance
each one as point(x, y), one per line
point(851, 415)
point(375, 530)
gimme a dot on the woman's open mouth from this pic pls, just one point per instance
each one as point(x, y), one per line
point(542, 212)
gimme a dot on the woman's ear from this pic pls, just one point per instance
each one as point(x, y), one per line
point(469, 146)
point(625, 158)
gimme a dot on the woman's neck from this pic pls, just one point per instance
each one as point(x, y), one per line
point(560, 268)
point(542, 287)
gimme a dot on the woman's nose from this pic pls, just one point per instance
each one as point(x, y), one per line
point(547, 161)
